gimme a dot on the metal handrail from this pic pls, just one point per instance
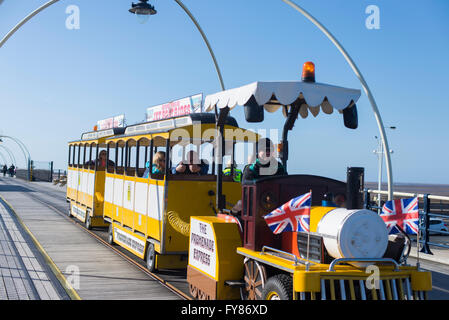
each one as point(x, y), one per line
point(283, 252)
point(406, 194)
point(344, 260)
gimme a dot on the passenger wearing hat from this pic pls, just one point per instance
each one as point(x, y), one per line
point(265, 164)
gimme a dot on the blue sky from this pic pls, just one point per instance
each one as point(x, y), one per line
point(56, 83)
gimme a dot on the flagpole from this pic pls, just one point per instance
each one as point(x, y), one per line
point(308, 234)
point(417, 242)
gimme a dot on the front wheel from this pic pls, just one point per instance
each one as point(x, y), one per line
point(278, 287)
point(151, 257)
point(88, 222)
point(255, 278)
point(110, 234)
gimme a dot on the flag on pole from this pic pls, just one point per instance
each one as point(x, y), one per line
point(291, 216)
point(403, 213)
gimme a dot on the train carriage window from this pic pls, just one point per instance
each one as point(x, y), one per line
point(111, 155)
point(205, 153)
point(142, 158)
point(158, 151)
point(93, 156)
point(70, 156)
point(120, 157)
point(83, 155)
point(130, 158)
point(76, 158)
point(87, 156)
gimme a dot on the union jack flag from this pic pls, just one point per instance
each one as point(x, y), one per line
point(291, 216)
point(403, 213)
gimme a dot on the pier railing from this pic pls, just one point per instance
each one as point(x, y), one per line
point(430, 206)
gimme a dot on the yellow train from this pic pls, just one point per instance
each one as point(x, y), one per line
point(214, 225)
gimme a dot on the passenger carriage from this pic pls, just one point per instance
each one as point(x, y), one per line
point(147, 211)
point(85, 178)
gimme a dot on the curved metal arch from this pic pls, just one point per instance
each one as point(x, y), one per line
point(22, 147)
point(364, 85)
point(4, 159)
point(25, 20)
point(11, 155)
point(217, 68)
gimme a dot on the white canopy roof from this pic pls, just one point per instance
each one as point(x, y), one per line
point(272, 95)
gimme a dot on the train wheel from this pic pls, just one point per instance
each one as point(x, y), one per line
point(279, 287)
point(255, 278)
point(151, 257)
point(88, 221)
point(193, 291)
point(202, 295)
point(110, 234)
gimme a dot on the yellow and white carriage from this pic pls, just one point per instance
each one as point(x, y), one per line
point(86, 177)
point(147, 212)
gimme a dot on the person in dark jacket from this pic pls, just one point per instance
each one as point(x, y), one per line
point(5, 169)
point(12, 170)
point(265, 164)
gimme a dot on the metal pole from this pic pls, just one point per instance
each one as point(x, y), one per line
point(4, 159)
point(364, 85)
point(25, 20)
point(379, 186)
point(217, 68)
point(425, 228)
point(21, 146)
point(11, 155)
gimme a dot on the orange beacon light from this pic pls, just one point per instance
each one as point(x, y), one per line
point(308, 72)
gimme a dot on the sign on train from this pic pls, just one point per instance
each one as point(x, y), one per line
point(177, 108)
point(113, 122)
point(202, 249)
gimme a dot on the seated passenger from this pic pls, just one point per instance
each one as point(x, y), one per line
point(265, 165)
point(102, 160)
point(237, 176)
point(158, 166)
point(192, 165)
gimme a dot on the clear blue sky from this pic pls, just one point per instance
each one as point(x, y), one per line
point(56, 83)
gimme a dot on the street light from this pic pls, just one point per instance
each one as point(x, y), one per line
point(380, 154)
point(142, 8)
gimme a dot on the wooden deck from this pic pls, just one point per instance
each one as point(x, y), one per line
point(93, 270)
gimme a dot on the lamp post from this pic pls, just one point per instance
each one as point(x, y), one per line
point(380, 155)
point(367, 90)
